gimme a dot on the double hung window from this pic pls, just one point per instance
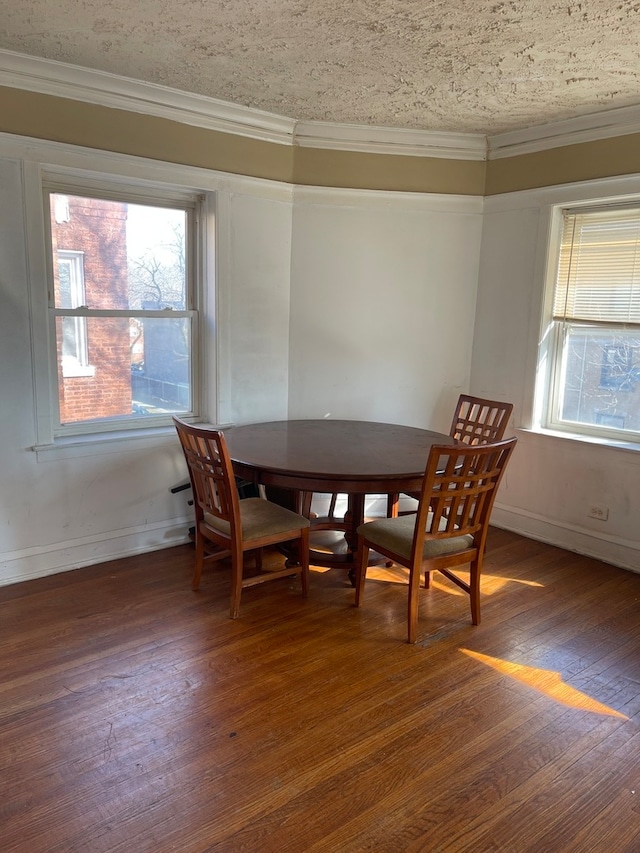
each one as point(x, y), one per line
point(122, 307)
point(594, 381)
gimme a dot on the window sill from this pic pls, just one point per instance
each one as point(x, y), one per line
point(73, 371)
point(610, 443)
point(118, 441)
point(92, 444)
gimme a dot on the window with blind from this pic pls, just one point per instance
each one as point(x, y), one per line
point(595, 352)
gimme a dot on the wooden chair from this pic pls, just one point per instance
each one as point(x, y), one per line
point(479, 421)
point(231, 525)
point(450, 526)
point(475, 421)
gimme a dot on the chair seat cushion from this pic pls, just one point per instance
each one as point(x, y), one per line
point(396, 535)
point(260, 518)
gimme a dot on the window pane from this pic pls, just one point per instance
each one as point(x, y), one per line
point(63, 292)
point(156, 257)
point(133, 256)
point(136, 367)
point(74, 342)
point(601, 378)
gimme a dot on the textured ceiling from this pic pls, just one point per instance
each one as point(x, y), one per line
point(484, 66)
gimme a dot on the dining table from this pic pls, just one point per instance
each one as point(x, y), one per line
point(293, 458)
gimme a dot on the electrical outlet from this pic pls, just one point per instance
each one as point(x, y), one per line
point(599, 512)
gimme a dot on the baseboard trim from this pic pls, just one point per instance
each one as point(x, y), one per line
point(617, 552)
point(39, 562)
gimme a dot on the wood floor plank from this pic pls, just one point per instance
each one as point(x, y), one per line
point(135, 715)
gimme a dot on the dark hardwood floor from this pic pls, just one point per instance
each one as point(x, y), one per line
point(135, 716)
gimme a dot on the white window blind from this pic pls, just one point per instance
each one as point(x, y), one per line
point(599, 267)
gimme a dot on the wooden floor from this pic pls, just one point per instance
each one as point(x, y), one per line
point(135, 716)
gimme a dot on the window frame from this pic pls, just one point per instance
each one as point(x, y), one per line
point(143, 193)
point(552, 354)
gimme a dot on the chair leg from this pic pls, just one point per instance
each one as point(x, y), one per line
point(197, 572)
point(237, 565)
point(427, 580)
point(304, 561)
point(362, 561)
point(413, 603)
point(474, 590)
point(305, 504)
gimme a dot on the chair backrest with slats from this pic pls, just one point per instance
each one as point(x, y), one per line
point(478, 421)
point(459, 489)
point(210, 470)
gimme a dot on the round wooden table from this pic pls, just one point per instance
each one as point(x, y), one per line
point(355, 458)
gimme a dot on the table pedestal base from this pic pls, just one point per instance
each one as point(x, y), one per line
point(333, 540)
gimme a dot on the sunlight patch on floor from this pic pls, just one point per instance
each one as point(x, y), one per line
point(546, 681)
point(395, 574)
point(490, 583)
point(494, 583)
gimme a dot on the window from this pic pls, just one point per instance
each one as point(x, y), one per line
point(594, 380)
point(122, 308)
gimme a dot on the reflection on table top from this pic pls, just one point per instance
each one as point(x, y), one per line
point(330, 454)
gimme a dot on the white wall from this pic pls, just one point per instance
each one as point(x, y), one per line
point(383, 299)
point(59, 511)
point(329, 303)
point(254, 240)
point(551, 480)
point(351, 304)
point(91, 501)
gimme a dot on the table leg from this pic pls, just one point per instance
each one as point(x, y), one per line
point(354, 517)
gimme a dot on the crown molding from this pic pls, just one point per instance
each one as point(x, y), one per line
point(110, 90)
point(390, 140)
point(102, 88)
point(588, 128)
point(49, 77)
